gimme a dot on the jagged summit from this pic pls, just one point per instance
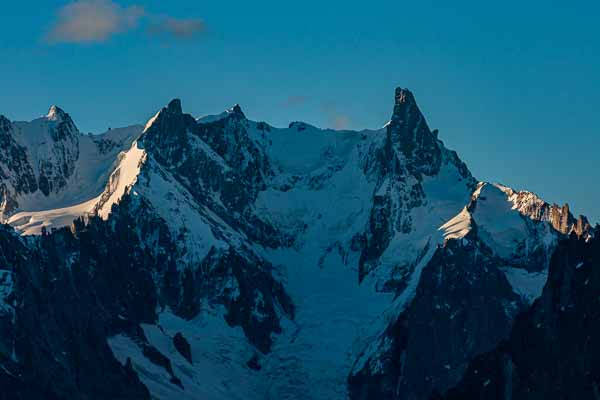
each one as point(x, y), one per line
point(409, 136)
point(560, 217)
point(267, 238)
point(237, 110)
point(175, 106)
point(407, 120)
point(403, 100)
point(56, 113)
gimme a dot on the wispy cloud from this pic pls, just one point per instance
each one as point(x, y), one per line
point(177, 28)
point(294, 101)
point(339, 120)
point(96, 21)
point(89, 21)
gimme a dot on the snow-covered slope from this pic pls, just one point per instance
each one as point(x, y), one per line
point(52, 172)
point(500, 224)
point(123, 176)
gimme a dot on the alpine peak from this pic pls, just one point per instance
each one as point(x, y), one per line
point(404, 104)
point(55, 113)
point(237, 110)
point(175, 106)
point(250, 230)
point(404, 95)
point(408, 132)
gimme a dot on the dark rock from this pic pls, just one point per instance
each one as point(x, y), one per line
point(252, 302)
point(553, 347)
point(223, 170)
point(174, 106)
point(183, 346)
point(157, 358)
point(64, 312)
point(254, 363)
point(237, 110)
point(463, 306)
point(408, 131)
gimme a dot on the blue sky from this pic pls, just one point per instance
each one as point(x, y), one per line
point(514, 88)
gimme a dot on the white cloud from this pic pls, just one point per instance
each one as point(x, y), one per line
point(89, 21)
point(95, 21)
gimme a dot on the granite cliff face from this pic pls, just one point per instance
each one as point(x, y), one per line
point(552, 348)
point(411, 154)
point(219, 257)
point(559, 216)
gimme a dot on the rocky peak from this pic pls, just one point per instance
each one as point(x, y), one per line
point(4, 123)
point(62, 128)
point(410, 138)
point(55, 113)
point(165, 135)
point(565, 222)
point(404, 103)
point(165, 116)
point(174, 107)
point(237, 111)
point(170, 119)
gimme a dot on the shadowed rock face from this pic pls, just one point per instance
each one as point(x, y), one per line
point(64, 310)
point(463, 306)
point(552, 349)
point(74, 288)
point(409, 133)
point(215, 159)
point(183, 346)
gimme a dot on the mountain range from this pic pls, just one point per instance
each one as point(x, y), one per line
point(224, 258)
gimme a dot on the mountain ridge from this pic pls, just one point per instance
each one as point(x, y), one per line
point(319, 272)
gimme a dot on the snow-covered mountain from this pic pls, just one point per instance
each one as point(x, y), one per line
point(227, 258)
point(47, 165)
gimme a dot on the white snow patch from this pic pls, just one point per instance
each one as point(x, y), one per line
point(528, 285)
point(151, 121)
point(500, 226)
point(219, 355)
point(175, 205)
point(458, 227)
point(123, 177)
point(32, 223)
point(212, 118)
